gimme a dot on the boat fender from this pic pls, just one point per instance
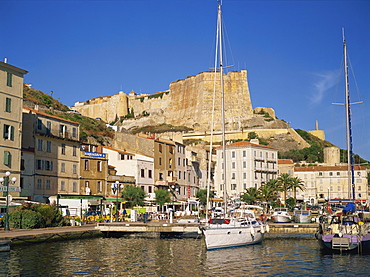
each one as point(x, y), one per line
point(262, 229)
point(267, 228)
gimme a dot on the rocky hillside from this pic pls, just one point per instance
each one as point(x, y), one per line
point(91, 130)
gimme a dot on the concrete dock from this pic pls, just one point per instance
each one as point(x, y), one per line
point(161, 229)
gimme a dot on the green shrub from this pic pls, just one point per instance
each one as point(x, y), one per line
point(26, 219)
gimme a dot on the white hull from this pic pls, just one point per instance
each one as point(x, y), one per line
point(281, 219)
point(224, 237)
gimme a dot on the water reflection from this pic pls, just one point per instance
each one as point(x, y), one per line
point(176, 257)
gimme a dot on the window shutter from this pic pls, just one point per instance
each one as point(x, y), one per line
point(7, 158)
point(11, 132)
point(8, 105)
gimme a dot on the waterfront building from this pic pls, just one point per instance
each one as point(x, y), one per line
point(164, 165)
point(330, 182)
point(93, 170)
point(137, 166)
point(286, 166)
point(11, 101)
point(248, 164)
point(55, 144)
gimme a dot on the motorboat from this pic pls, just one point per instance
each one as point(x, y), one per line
point(281, 215)
point(302, 216)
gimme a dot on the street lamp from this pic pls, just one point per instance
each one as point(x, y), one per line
point(116, 188)
point(5, 181)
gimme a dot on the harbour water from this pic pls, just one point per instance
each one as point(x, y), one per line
point(278, 255)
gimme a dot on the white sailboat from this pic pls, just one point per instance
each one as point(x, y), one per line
point(239, 227)
point(346, 231)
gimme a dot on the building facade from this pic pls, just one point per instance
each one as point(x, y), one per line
point(11, 101)
point(330, 182)
point(55, 142)
point(247, 165)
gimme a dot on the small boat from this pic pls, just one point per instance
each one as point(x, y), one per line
point(5, 245)
point(302, 216)
point(281, 215)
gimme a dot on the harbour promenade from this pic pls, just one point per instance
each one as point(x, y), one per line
point(46, 234)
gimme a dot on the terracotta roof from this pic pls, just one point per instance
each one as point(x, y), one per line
point(285, 161)
point(49, 115)
point(326, 168)
point(247, 143)
point(119, 151)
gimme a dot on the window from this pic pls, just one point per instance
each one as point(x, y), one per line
point(74, 186)
point(8, 132)
point(48, 127)
point(48, 184)
point(39, 164)
point(8, 105)
point(184, 175)
point(39, 183)
point(338, 173)
point(74, 132)
point(244, 153)
point(161, 176)
point(233, 175)
point(7, 158)
point(233, 165)
point(74, 168)
point(62, 185)
point(63, 167)
point(63, 149)
point(48, 146)
point(233, 154)
point(86, 165)
point(330, 173)
point(178, 161)
point(160, 161)
point(142, 173)
point(49, 165)
point(179, 174)
point(9, 79)
point(244, 175)
point(233, 186)
point(99, 166)
point(244, 164)
point(74, 153)
point(160, 148)
point(39, 144)
point(150, 173)
point(39, 124)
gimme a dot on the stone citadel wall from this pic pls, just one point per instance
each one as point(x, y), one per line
point(187, 103)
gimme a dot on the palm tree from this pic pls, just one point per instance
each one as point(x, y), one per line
point(296, 183)
point(284, 181)
point(267, 192)
point(250, 196)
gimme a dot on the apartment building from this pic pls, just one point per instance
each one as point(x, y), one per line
point(165, 165)
point(139, 167)
point(93, 170)
point(331, 182)
point(55, 144)
point(247, 165)
point(11, 102)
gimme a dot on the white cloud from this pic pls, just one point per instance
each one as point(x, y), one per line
point(324, 82)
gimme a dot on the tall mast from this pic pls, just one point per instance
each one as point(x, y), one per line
point(350, 160)
point(220, 37)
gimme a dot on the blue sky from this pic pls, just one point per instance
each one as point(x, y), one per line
point(291, 49)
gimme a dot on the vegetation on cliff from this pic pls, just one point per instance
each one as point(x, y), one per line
point(162, 128)
point(89, 127)
point(315, 153)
